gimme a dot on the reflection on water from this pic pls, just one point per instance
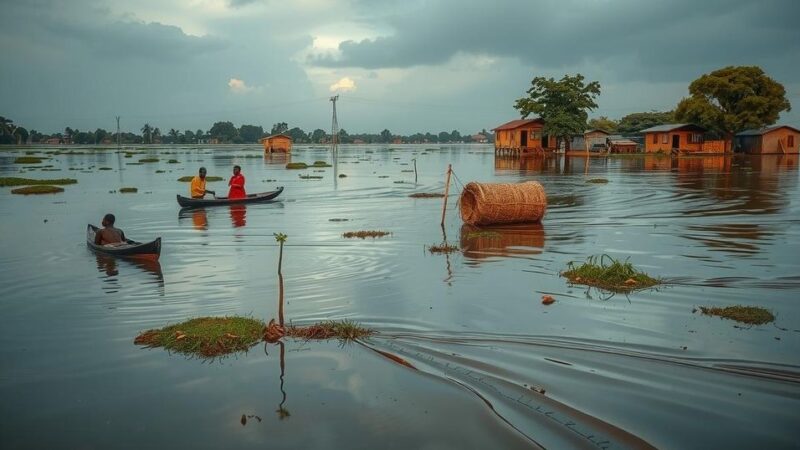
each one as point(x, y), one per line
point(110, 266)
point(238, 215)
point(506, 240)
point(198, 216)
point(277, 158)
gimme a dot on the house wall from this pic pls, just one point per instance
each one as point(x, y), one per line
point(277, 144)
point(664, 142)
point(512, 138)
point(747, 144)
point(595, 137)
point(770, 141)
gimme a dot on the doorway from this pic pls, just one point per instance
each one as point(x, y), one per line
point(676, 141)
point(523, 138)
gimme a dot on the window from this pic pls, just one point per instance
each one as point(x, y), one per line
point(665, 138)
point(696, 138)
point(790, 141)
point(655, 138)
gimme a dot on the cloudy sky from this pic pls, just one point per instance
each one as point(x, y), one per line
point(411, 65)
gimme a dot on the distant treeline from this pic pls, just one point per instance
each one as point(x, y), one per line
point(223, 133)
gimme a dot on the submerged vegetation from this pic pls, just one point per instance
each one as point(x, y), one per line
point(345, 330)
point(365, 234)
point(148, 160)
point(27, 160)
point(426, 195)
point(321, 164)
point(128, 190)
point(205, 336)
point(752, 315)
point(297, 165)
point(610, 274)
point(444, 247)
point(597, 181)
point(17, 181)
point(38, 189)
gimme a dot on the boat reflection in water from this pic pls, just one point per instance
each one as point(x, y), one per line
point(502, 240)
point(110, 265)
point(238, 215)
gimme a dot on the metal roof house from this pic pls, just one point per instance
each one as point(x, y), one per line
point(775, 139)
point(674, 137)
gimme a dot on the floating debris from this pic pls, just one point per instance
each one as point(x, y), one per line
point(173, 161)
point(753, 315)
point(610, 274)
point(444, 247)
point(365, 234)
point(105, 168)
point(309, 177)
point(341, 175)
point(426, 195)
point(18, 181)
point(321, 164)
point(338, 220)
point(128, 190)
point(27, 160)
point(597, 180)
point(297, 165)
point(38, 189)
point(345, 330)
point(148, 160)
point(548, 299)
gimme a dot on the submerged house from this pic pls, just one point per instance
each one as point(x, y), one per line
point(776, 139)
point(277, 143)
point(522, 136)
point(680, 138)
point(594, 138)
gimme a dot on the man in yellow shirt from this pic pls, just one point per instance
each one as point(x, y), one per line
point(197, 189)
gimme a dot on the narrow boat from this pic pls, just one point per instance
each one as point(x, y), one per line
point(130, 249)
point(262, 197)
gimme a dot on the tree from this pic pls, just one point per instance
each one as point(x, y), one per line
point(173, 135)
point(297, 135)
point(733, 99)
point(156, 134)
point(279, 128)
point(224, 131)
point(99, 135)
point(602, 123)
point(199, 134)
point(444, 136)
point(562, 104)
point(147, 133)
point(386, 136)
point(251, 133)
point(318, 135)
point(188, 137)
point(635, 122)
point(455, 136)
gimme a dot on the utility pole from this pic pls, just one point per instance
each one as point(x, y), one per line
point(334, 128)
point(118, 137)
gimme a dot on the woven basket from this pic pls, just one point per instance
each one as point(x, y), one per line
point(496, 203)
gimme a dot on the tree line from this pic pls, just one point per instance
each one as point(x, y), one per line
point(224, 132)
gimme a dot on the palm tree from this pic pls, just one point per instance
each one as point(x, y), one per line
point(173, 133)
point(5, 125)
point(147, 131)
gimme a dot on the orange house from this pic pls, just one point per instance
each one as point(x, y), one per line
point(677, 136)
point(777, 139)
point(522, 136)
point(277, 143)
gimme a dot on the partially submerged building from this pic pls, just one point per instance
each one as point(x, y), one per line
point(522, 136)
point(277, 143)
point(679, 138)
point(779, 139)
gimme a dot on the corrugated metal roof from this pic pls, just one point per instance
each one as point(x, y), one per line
point(622, 142)
point(765, 130)
point(276, 135)
point(670, 127)
point(595, 130)
point(517, 123)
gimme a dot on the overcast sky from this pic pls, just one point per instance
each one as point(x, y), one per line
point(411, 65)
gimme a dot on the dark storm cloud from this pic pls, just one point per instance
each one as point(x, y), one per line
point(662, 39)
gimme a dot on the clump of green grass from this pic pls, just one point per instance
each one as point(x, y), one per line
point(609, 274)
point(188, 178)
point(342, 175)
point(38, 189)
point(148, 160)
point(17, 181)
point(160, 171)
point(173, 161)
point(207, 337)
point(426, 195)
point(128, 190)
point(345, 330)
point(105, 168)
point(309, 177)
point(297, 165)
point(597, 181)
point(321, 164)
point(753, 315)
point(365, 234)
point(27, 160)
point(444, 247)
point(482, 234)
point(338, 220)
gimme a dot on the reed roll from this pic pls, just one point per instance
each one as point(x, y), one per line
point(496, 203)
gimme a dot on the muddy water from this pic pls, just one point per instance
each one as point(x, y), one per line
point(486, 364)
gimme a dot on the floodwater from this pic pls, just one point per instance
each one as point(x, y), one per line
point(487, 365)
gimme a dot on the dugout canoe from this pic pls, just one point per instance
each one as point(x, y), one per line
point(262, 197)
point(130, 249)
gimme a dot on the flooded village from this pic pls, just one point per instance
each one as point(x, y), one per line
point(591, 258)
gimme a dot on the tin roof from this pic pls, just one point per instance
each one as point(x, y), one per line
point(518, 123)
point(673, 127)
point(765, 130)
point(596, 130)
point(277, 135)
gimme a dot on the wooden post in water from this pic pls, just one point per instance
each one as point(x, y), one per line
point(446, 190)
point(415, 170)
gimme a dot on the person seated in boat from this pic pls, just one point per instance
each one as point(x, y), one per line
point(237, 184)
point(197, 189)
point(108, 235)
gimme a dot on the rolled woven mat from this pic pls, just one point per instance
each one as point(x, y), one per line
point(495, 203)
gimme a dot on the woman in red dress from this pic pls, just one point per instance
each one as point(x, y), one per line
point(237, 184)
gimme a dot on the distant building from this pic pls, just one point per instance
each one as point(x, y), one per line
point(620, 144)
point(594, 138)
point(776, 139)
point(277, 143)
point(679, 138)
point(358, 141)
point(522, 136)
point(397, 140)
point(479, 138)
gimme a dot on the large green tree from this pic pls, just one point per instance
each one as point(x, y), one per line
point(602, 123)
point(563, 104)
point(636, 122)
point(251, 133)
point(147, 133)
point(224, 131)
point(279, 128)
point(733, 99)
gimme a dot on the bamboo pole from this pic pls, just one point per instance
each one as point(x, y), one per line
point(446, 191)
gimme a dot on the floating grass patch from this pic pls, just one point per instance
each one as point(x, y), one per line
point(321, 164)
point(128, 190)
point(297, 165)
point(345, 330)
point(188, 178)
point(338, 220)
point(365, 234)
point(27, 160)
point(160, 171)
point(753, 315)
point(444, 247)
point(342, 175)
point(206, 337)
point(38, 189)
point(104, 168)
point(597, 181)
point(610, 274)
point(148, 160)
point(426, 195)
point(17, 181)
point(309, 177)
point(173, 161)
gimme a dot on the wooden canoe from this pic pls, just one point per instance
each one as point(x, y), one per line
point(130, 249)
point(262, 197)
